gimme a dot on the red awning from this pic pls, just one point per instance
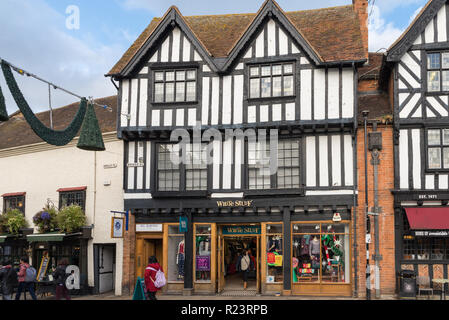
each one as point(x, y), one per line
point(15, 194)
point(428, 218)
point(71, 189)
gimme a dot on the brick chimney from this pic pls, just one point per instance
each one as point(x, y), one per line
point(361, 9)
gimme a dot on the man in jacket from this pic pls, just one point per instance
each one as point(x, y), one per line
point(23, 284)
point(8, 280)
point(150, 277)
point(60, 277)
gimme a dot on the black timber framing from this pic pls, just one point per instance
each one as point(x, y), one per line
point(418, 27)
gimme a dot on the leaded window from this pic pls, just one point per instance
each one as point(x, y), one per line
point(271, 80)
point(173, 171)
point(68, 198)
point(14, 202)
point(438, 149)
point(287, 175)
point(167, 169)
point(175, 86)
point(438, 72)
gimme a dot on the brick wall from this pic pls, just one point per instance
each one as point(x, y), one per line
point(361, 8)
point(386, 217)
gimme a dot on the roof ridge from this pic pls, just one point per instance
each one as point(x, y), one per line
point(326, 8)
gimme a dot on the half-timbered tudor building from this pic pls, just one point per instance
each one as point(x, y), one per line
point(420, 63)
point(291, 71)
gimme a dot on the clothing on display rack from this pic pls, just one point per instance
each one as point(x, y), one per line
point(314, 247)
point(180, 259)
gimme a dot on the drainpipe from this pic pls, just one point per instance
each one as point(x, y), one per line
point(376, 210)
point(367, 235)
point(355, 211)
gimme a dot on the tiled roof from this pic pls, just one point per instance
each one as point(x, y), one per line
point(378, 105)
point(372, 69)
point(17, 132)
point(333, 32)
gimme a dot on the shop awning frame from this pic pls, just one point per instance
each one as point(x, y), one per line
point(46, 237)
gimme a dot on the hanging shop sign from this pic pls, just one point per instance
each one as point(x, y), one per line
point(141, 227)
point(117, 227)
point(234, 203)
point(182, 224)
point(241, 230)
point(431, 233)
point(202, 263)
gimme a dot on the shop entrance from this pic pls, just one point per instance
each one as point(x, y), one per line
point(230, 247)
point(149, 247)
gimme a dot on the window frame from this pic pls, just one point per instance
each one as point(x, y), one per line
point(63, 193)
point(440, 70)
point(441, 146)
point(174, 68)
point(16, 197)
point(261, 64)
point(274, 190)
point(182, 177)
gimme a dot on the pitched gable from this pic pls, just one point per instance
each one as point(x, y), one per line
point(333, 33)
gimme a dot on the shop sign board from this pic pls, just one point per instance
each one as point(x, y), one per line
point(431, 233)
point(144, 227)
point(202, 263)
point(182, 224)
point(234, 203)
point(43, 268)
point(230, 230)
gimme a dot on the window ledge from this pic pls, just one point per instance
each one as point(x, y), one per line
point(174, 104)
point(179, 194)
point(274, 192)
point(271, 99)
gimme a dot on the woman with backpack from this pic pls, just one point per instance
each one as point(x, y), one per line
point(8, 280)
point(150, 277)
point(26, 281)
point(244, 264)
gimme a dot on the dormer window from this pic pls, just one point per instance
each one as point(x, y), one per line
point(271, 80)
point(438, 71)
point(171, 86)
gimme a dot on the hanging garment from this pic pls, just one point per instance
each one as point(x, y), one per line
point(314, 247)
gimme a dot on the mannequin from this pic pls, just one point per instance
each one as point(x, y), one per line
point(180, 259)
point(314, 252)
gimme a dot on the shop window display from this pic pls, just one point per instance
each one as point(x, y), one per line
point(274, 253)
point(176, 254)
point(203, 252)
point(320, 253)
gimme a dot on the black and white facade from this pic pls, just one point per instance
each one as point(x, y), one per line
point(272, 79)
point(419, 60)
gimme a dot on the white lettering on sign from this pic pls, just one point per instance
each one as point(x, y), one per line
point(72, 281)
point(133, 165)
point(427, 196)
point(148, 227)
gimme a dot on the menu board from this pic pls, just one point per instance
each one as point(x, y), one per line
point(43, 268)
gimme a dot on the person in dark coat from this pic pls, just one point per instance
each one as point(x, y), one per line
point(150, 277)
point(8, 280)
point(60, 277)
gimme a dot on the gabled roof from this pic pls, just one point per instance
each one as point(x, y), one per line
point(332, 35)
point(418, 25)
point(17, 132)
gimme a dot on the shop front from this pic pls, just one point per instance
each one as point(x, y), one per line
point(294, 249)
point(422, 239)
point(50, 249)
point(13, 247)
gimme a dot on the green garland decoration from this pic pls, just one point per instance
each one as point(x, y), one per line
point(91, 138)
point(3, 112)
point(54, 137)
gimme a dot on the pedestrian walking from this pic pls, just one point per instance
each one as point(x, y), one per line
point(60, 277)
point(244, 264)
point(8, 280)
point(150, 277)
point(26, 277)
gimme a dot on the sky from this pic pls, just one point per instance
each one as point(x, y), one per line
point(44, 38)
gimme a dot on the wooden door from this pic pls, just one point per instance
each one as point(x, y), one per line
point(220, 260)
